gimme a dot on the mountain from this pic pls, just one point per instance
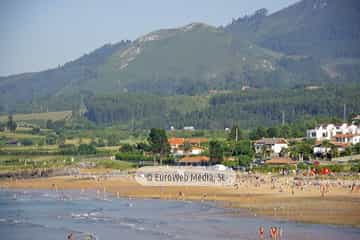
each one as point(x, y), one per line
point(318, 28)
point(313, 42)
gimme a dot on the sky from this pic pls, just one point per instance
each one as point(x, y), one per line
point(40, 34)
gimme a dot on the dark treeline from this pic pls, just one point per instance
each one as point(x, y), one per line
point(254, 107)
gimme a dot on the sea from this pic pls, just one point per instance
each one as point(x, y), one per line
point(89, 215)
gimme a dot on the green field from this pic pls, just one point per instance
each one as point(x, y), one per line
point(54, 116)
point(24, 162)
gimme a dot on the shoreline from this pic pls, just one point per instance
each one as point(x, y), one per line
point(338, 207)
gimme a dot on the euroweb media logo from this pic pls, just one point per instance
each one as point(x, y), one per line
point(197, 176)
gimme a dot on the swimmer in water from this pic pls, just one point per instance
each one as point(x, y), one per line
point(261, 233)
point(70, 236)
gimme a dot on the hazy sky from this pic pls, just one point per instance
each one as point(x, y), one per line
point(39, 34)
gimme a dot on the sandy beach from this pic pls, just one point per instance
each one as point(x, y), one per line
point(261, 196)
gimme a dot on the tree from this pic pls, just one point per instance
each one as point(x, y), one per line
point(216, 152)
point(51, 139)
point(49, 124)
point(35, 130)
point(112, 140)
point(2, 127)
point(235, 134)
point(243, 147)
point(285, 131)
point(347, 152)
point(301, 150)
point(356, 148)
point(11, 124)
point(244, 160)
point(26, 142)
point(187, 146)
point(258, 133)
point(127, 148)
point(143, 147)
point(158, 142)
point(284, 152)
point(99, 142)
point(334, 152)
point(86, 149)
point(273, 132)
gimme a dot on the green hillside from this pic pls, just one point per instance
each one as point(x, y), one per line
point(311, 43)
point(191, 60)
point(250, 108)
point(319, 28)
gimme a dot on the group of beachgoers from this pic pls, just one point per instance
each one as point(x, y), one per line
point(275, 233)
point(296, 184)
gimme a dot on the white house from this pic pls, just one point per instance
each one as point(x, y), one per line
point(329, 131)
point(275, 145)
point(340, 141)
point(321, 149)
point(196, 151)
point(347, 138)
point(178, 146)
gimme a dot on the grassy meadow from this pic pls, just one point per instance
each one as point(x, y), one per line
point(54, 116)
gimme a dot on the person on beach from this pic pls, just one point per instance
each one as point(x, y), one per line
point(353, 187)
point(279, 233)
point(261, 233)
point(322, 190)
point(273, 233)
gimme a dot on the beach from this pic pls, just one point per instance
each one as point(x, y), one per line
point(259, 194)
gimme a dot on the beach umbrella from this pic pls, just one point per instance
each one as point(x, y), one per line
point(325, 171)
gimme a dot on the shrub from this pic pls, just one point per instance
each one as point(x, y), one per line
point(355, 168)
point(26, 142)
point(68, 149)
point(128, 148)
point(35, 130)
point(86, 149)
point(132, 157)
point(51, 139)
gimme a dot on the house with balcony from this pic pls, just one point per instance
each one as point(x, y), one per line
point(329, 131)
point(272, 146)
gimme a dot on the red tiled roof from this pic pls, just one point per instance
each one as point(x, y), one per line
point(340, 144)
point(196, 140)
point(176, 141)
point(348, 135)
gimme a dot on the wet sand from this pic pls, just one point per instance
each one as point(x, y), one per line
point(338, 206)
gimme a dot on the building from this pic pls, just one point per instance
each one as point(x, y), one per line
point(195, 160)
point(196, 150)
point(271, 145)
point(176, 142)
point(338, 136)
point(178, 147)
point(347, 138)
point(356, 118)
point(321, 149)
point(329, 131)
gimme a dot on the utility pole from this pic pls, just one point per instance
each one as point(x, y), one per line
point(344, 113)
point(236, 134)
point(283, 118)
point(133, 119)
